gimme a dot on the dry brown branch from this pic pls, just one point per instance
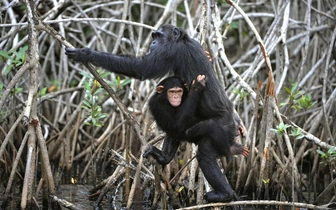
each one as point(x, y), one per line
point(266, 203)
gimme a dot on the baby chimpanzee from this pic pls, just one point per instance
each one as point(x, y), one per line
point(175, 110)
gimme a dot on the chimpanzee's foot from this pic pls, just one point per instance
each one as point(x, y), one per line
point(215, 196)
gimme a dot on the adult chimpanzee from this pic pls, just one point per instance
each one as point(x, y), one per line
point(172, 50)
point(175, 111)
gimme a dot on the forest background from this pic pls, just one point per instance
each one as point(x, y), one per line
point(62, 131)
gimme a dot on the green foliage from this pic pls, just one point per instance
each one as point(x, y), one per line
point(87, 75)
point(281, 128)
point(234, 25)
point(329, 156)
point(16, 90)
point(296, 133)
point(304, 102)
point(222, 3)
point(242, 94)
point(3, 115)
point(92, 95)
point(51, 87)
point(1, 92)
point(292, 93)
point(73, 83)
point(16, 58)
point(43, 92)
point(95, 114)
point(118, 84)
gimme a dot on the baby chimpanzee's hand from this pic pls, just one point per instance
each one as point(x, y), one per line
point(199, 83)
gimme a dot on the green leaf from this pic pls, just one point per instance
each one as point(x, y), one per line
point(105, 74)
point(118, 80)
point(87, 75)
point(18, 63)
point(126, 82)
point(94, 121)
point(99, 90)
point(296, 94)
point(23, 50)
point(331, 150)
point(233, 25)
point(282, 126)
point(304, 102)
point(294, 86)
point(87, 103)
point(87, 86)
point(42, 92)
point(312, 104)
point(287, 90)
point(86, 108)
point(296, 132)
point(87, 123)
point(5, 54)
point(272, 129)
point(283, 104)
point(97, 109)
point(17, 90)
point(8, 68)
point(101, 116)
point(99, 124)
point(320, 152)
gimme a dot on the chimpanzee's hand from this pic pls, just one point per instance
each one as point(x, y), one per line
point(78, 54)
point(199, 83)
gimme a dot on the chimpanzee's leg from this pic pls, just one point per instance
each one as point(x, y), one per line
point(207, 156)
point(169, 149)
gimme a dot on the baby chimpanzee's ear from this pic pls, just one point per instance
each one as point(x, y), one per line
point(159, 89)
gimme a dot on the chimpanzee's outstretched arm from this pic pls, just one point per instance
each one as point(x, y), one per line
point(151, 66)
point(169, 149)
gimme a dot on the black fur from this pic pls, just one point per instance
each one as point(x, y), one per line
point(183, 123)
point(173, 51)
point(176, 120)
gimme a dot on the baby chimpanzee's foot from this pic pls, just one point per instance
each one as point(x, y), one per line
point(215, 196)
